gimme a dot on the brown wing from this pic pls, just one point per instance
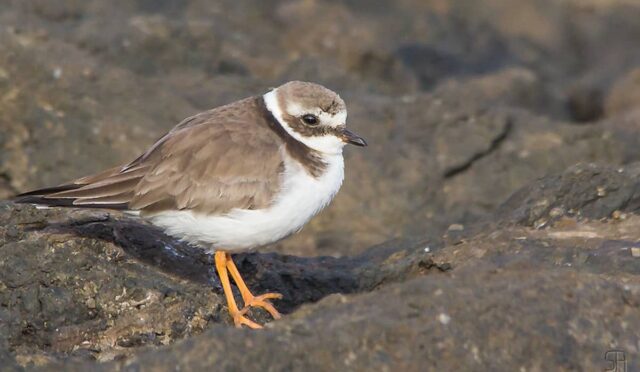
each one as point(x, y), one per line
point(110, 189)
point(215, 161)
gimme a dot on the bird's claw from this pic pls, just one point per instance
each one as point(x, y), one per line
point(263, 302)
point(239, 319)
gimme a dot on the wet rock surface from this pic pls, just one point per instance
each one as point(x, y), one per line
point(491, 223)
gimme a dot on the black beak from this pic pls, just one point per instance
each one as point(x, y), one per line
point(352, 138)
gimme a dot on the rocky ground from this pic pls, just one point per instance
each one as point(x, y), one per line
point(490, 225)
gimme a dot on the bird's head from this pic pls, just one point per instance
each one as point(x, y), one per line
point(312, 114)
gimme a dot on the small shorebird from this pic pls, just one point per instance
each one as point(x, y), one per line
point(230, 179)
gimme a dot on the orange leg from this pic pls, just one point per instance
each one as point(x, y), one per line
point(247, 297)
point(238, 316)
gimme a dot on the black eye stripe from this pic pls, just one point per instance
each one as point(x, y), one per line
point(310, 119)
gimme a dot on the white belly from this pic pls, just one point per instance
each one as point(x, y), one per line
point(302, 196)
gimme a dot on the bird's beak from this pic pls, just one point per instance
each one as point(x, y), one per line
point(352, 138)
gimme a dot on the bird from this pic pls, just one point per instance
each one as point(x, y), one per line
point(231, 179)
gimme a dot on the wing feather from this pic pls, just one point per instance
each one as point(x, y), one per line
point(212, 162)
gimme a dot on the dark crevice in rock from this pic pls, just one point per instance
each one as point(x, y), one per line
point(585, 105)
point(495, 144)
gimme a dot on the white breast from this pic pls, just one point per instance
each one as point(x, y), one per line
point(301, 197)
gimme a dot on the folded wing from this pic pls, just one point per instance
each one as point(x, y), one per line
point(206, 165)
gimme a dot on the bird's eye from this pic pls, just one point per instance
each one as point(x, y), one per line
point(310, 119)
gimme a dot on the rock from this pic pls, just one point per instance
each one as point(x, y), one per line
point(516, 297)
point(99, 286)
point(462, 295)
point(463, 104)
point(585, 190)
point(625, 94)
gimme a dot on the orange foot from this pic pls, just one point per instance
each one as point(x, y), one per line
point(225, 266)
point(239, 319)
point(247, 297)
point(261, 301)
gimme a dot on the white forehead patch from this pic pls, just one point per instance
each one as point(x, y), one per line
point(326, 118)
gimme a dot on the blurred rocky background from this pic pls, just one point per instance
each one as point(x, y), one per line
point(498, 192)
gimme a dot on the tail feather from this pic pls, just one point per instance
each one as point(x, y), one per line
point(111, 189)
point(91, 191)
point(49, 190)
point(46, 200)
point(122, 198)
